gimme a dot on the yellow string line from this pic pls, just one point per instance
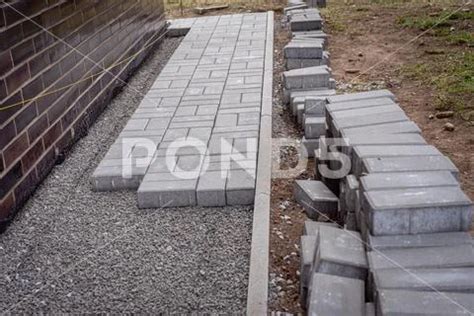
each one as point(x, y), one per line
point(41, 95)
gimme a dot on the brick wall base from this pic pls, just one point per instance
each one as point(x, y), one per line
point(49, 91)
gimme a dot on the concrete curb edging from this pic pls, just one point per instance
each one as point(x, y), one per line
point(257, 297)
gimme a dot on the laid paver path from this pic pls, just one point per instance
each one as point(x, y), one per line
point(194, 138)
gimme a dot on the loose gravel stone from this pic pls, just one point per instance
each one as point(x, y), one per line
point(73, 250)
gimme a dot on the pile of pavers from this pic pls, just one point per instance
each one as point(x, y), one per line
point(307, 80)
point(401, 200)
point(393, 233)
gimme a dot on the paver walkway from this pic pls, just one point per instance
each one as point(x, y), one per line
point(194, 138)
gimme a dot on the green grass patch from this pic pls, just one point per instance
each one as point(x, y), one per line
point(453, 77)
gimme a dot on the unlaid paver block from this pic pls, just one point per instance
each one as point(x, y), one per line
point(306, 22)
point(309, 34)
point(361, 96)
point(351, 188)
point(402, 127)
point(307, 78)
point(389, 181)
point(367, 120)
point(315, 198)
point(417, 210)
point(409, 164)
point(381, 139)
point(304, 49)
point(314, 106)
point(404, 302)
point(427, 279)
point(359, 104)
point(369, 309)
point(419, 240)
point(240, 187)
point(307, 253)
point(336, 296)
point(428, 257)
point(311, 228)
point(362, 152)
point(304, 63)
point(309, 146)
point(340, 252)
point(314, 127)
point(290, 95)
point(309, 244)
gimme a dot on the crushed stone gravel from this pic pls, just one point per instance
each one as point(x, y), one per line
point(72, 250)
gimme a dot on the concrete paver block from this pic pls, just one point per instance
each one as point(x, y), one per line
point(340, 252)
point(409, 164)
point(361, 96)
point(315, 198)
point(417, 210)
point(314, 127)
point(403, 302)
point(428, 257)
point(419, 240)
point(336, 296)
point(388, 181)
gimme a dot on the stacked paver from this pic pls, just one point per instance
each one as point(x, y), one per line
point(193, 140)
point(408, 251)
point(307, 80)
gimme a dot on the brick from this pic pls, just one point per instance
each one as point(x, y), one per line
point(9, 179)
point(17, 78)
point(15, 149)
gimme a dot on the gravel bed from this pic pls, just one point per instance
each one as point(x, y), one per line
point(72, 250)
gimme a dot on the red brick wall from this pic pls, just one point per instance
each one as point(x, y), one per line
point(36, 60)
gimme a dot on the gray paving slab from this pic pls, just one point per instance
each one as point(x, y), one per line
point(336, 296)
point(315, 198)
point(417, 210)
point(403, 302)
point(304, 49)
point(381, 139)
point(428, 257)
point(401, 127)
point(211, 87)
point(340, 252)
point(367, 121)
point(307, 78)
point(419, 240)
point(375, 94)
point(388, 181)
point(409, 164)
point(314, 127)
point(362, 152)
point(430, 280)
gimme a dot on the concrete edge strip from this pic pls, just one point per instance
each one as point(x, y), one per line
point(257, 297)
